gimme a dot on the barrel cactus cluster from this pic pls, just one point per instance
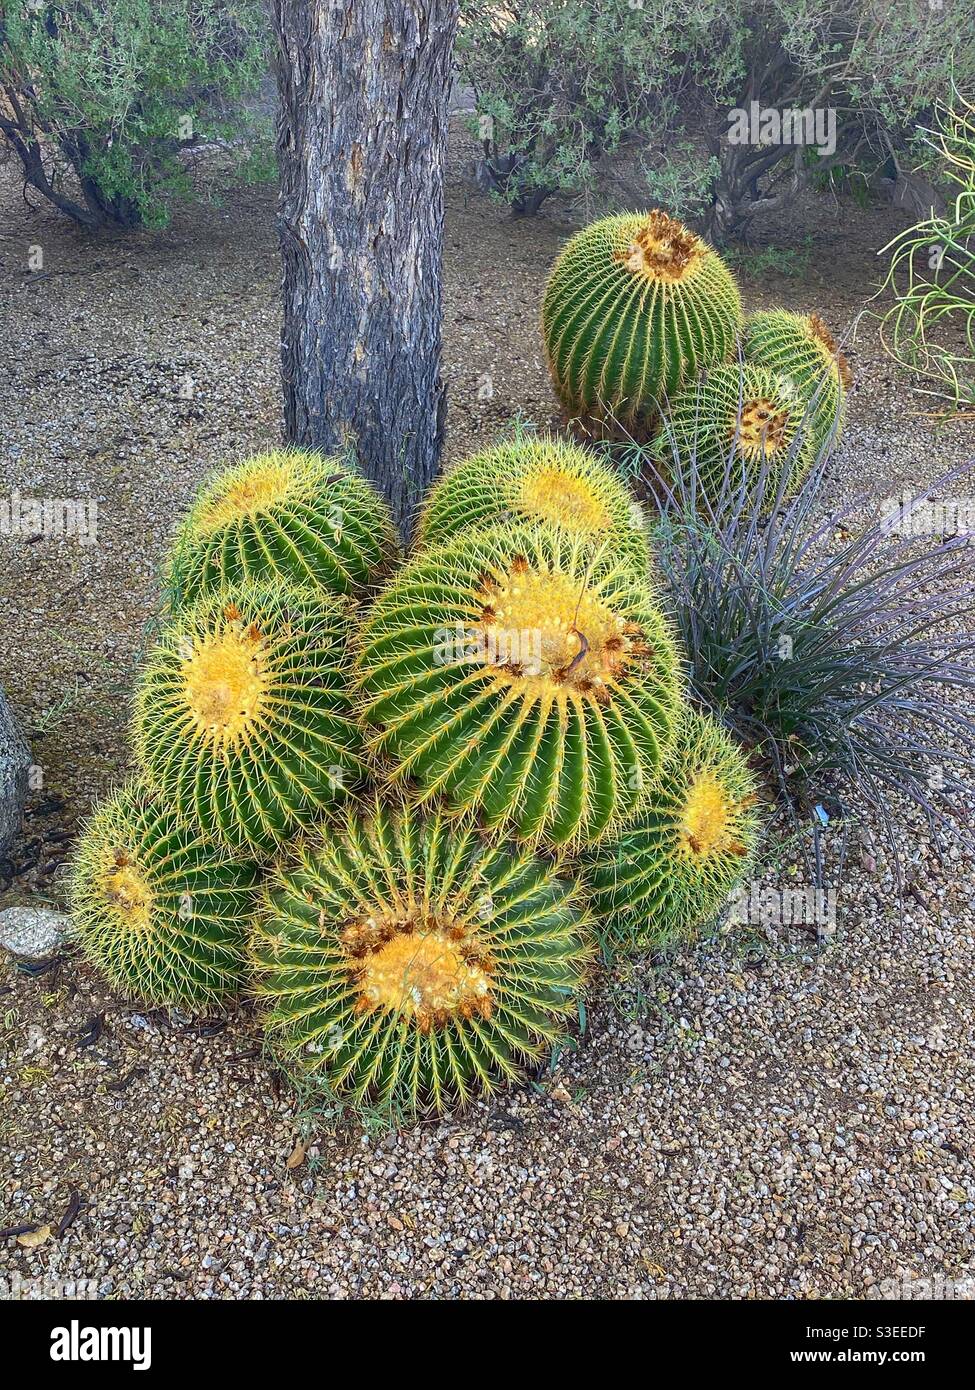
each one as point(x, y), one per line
point(646, 338)
point(405, 803)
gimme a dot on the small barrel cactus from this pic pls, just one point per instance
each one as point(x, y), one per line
point(672, 869)
point(524, 675)
point(244, 717)
point(536, 479)
point(405, 964)
point(635, 307)
point(289, 515)
point(160, 911)
point(801, 347)
point(739, 422)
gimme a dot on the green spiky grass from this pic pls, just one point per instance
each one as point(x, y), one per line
point(159, 911)
point(523, 676)
point(244, 717)
point(536, 479)
point(741, 421)
point(635, 307)
point(670, 872)
point(801, 347)
point(404, 963)
point(289, 515)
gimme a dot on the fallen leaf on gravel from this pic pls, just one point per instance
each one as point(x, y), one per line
point(30, 1239)
point(957, 1194)
point(297, 1155)
point(75, 1203)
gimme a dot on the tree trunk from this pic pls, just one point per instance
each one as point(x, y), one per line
point(361, 141)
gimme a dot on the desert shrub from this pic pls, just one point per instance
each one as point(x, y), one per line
point(874, 64)
point(559, 83)
point(838, 652)
point(562, 83)
point(937, 257)
point(100, 101)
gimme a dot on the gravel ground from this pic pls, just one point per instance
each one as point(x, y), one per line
point(767, 1115)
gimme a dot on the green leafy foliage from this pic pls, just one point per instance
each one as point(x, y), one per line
point(105, 97)
point(561, 83)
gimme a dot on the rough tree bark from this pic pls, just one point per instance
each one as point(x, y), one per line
point(362, 138)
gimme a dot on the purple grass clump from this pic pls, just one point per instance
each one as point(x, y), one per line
point(839, 652)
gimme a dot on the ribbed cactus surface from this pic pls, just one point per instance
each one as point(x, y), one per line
point(405, 963)
point(289, 515)
point(801, 347)
point(635, 307)
point(244, 717)
point(669, 872)
point(739, 422)
point(523, 675)
point(159, 910)
point(536, 479)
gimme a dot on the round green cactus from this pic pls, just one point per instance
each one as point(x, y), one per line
point(801, 347)
point(290, 515)
point(404, 963)
point(162, 913)
point(671, 870)
point(523, 675)
point(536, 479)
point(244, 717)
point(735, 421)
point(635, 307)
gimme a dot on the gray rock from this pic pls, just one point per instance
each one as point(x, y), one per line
point(33, 932)
point(14, 762)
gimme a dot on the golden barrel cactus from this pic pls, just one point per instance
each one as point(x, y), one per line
point(524, 676)
point(636, 306)
point(536, 479)
point(156, 907)
point(801, 347)
point(671, 870)
point(290, 516)
point(404, 963)
point(739, 421)
point(244, 714)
